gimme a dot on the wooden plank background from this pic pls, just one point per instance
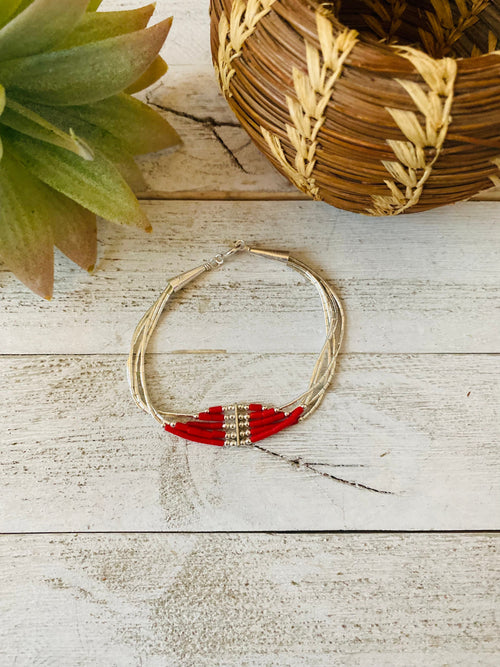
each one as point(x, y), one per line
point(209, 600)
point(122, 545)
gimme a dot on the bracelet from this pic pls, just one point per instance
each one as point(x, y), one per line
point(238, 424)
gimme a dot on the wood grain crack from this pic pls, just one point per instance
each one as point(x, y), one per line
point(226, 148)
point(211, 124)
point(300, 463)
point(210, 121)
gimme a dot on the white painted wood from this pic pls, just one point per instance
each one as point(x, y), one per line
point(217, 157)
point(155, 600)
point(430, 284)
point(188, 41)
point(78, 455)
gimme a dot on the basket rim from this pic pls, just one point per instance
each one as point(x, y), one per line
point(393, 49)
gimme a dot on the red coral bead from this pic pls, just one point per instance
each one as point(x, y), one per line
point(219, 442)
point(206, 425)
point(292, 418)
point(203, 432)
point(210, 416)
point(271, 419)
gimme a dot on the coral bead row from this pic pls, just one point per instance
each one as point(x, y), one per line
point(234, 425)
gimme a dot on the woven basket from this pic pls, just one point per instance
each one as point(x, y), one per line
point(380, 107)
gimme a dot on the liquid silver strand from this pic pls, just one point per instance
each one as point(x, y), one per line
point(324, 368)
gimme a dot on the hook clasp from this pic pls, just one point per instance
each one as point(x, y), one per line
point(238, 246)
point(218, 260)
point(183, 279)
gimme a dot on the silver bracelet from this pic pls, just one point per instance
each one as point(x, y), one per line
point(238, 424)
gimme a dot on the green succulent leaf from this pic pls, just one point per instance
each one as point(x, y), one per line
point(33, 217)
point(21, 6)
point(94, 5)
point(74, 229)
point(7, 9)
point(139, 127)
point(96, 185)
point(154, 72)
point(70, 128)
point(26, 240)
point(95, 27)
point(2, 107)
point(85, 73)
point(100, 140)
point(26, 121)
point(38, 27)
point(113, 149)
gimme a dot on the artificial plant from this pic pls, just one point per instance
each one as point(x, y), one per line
point(69, 128)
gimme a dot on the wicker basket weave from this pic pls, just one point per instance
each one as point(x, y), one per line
point(380, 107)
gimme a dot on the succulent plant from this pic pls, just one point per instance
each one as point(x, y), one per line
point(69, 128)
